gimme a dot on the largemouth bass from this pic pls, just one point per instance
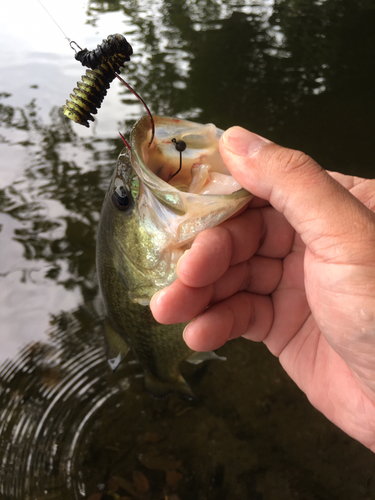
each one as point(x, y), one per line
point(150, 216)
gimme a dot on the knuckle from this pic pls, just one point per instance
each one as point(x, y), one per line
point(292, 160)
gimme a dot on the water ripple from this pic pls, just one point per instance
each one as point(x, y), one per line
point(72, 430)
point(46, 406)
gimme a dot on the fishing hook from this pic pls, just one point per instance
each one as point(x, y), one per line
point(180, 146)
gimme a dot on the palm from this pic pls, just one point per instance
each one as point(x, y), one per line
point(283, 301)
point(298, 342)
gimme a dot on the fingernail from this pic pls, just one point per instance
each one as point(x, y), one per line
point(152, 300)
point(181, 259)
point(242, 142)
point(156, 297)
point(184, 332)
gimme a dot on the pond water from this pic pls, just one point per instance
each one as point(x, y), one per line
point(300, 72)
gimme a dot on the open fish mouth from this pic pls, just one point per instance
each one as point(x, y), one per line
point(201, 195)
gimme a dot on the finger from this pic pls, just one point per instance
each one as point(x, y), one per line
point(179, 303)
point(279, 236)
point(290, 305)
point(238, 315)
point(264, 231)
point(246, 233)
point(259, 275)
point(257, 202)
point(348, 181)
point(364, 191)
point(215, 249)
point(274, 320)
point(312, 201)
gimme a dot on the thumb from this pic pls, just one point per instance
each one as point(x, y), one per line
point(316, 205)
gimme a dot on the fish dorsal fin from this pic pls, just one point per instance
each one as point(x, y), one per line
point(115, 346)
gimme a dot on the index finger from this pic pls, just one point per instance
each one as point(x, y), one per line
point(264, 231)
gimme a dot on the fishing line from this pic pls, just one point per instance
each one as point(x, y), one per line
point(144, 104)
point(50, 15)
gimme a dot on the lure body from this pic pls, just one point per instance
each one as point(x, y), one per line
point(114, 45)
point(104, 63)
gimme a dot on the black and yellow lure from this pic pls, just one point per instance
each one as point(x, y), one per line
point(104, 63)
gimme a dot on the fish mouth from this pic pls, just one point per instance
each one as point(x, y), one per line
point(167, 199)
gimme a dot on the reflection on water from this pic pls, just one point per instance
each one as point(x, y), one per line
point(50, 213)
point(301, 73)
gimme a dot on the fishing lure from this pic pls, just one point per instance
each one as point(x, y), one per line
point(115, 47)
point(104, 63)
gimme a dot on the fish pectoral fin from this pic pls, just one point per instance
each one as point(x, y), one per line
point(115, 346)
point(199, 357)
point(161, 389)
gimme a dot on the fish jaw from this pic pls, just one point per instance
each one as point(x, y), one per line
point(173, 214)
point(169, 218)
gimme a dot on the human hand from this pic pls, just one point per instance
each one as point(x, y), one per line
point(296, 270)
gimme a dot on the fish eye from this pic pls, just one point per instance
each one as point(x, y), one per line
point(120, 197)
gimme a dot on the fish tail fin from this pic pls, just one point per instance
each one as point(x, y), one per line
point(161, 389)
point(115, 346)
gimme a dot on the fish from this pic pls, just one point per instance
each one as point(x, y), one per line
point(158, 200)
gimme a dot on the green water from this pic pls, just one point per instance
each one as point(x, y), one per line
point(299, 72)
